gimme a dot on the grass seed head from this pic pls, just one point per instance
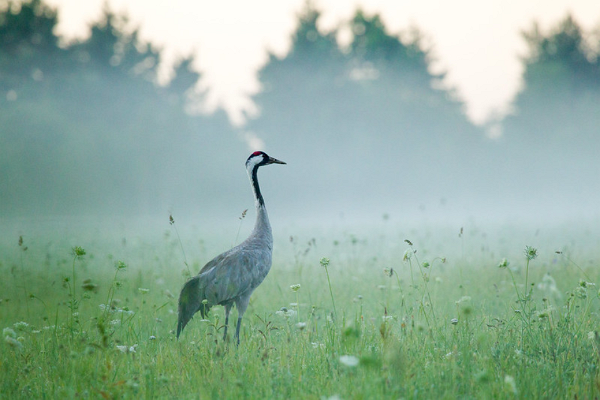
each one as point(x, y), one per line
point(78, 251)
point(530, 253)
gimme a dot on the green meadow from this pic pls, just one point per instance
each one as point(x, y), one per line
point(383, 312)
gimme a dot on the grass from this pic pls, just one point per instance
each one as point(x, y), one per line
point(368, 317)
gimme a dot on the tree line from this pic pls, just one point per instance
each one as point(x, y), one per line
point(86, 128)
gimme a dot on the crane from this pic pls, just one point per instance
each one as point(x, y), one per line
point(231, 277)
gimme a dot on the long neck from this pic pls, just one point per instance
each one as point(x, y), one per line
point(262, 226)
point(253, 174)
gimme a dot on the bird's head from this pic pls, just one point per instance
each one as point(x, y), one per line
point(260, 158)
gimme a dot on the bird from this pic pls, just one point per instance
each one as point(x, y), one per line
point(231, 277)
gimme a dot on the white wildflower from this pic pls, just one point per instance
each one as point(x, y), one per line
point(9, 332)
point(284, 312)
point(510, 383)
point(127, 349)
point(301, 325)
point(349, 361)
point(12, 342)
point(21, 326)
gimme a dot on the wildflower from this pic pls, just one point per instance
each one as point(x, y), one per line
point(120, 265)
point(349, 361)
point(21, 326)
point(407, 255)
point(530, 253)
point(78, 251)
point(509, 381)
point(301, 325)
point(503, 264)
point(125, 349)
point(295, 287)
point(387, 318)
point(324, 262)
point(581, 292)
point(9, 332)
point(205, 301)
point(152, 337)
point(388, 271)
point(11, 341)
point(284, 312)
point(425, 264)
point(454, 321)
point(143, 290)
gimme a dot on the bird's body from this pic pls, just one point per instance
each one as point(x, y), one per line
point(231, 277)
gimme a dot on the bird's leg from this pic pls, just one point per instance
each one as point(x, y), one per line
point(237, 330)
point(241, 304)
point(227, 310)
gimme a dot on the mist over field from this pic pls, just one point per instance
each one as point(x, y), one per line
point(368, 132)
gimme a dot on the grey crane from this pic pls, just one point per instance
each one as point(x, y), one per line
point(232, 276)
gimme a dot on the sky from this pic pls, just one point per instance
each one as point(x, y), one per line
point(477, 43)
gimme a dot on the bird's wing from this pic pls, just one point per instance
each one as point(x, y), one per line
point(190, 301)
point(214, 262)
point(236, 273)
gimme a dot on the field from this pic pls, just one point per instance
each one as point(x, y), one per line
point(382, 312)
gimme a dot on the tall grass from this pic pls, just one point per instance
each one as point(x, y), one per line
point(396, 324)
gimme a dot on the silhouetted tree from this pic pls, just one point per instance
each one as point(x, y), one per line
point(374, 101)
point(561, 91)
point(98, 135)
point(553, 134)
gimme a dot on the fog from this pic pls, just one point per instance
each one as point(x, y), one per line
point(369, 134)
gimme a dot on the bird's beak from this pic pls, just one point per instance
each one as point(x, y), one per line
point(274, 161)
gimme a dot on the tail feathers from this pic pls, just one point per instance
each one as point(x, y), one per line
point(190, 302)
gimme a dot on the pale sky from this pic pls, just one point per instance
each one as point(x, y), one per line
point(477, 42)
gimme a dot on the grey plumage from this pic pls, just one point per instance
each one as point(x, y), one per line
point(231, 277)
